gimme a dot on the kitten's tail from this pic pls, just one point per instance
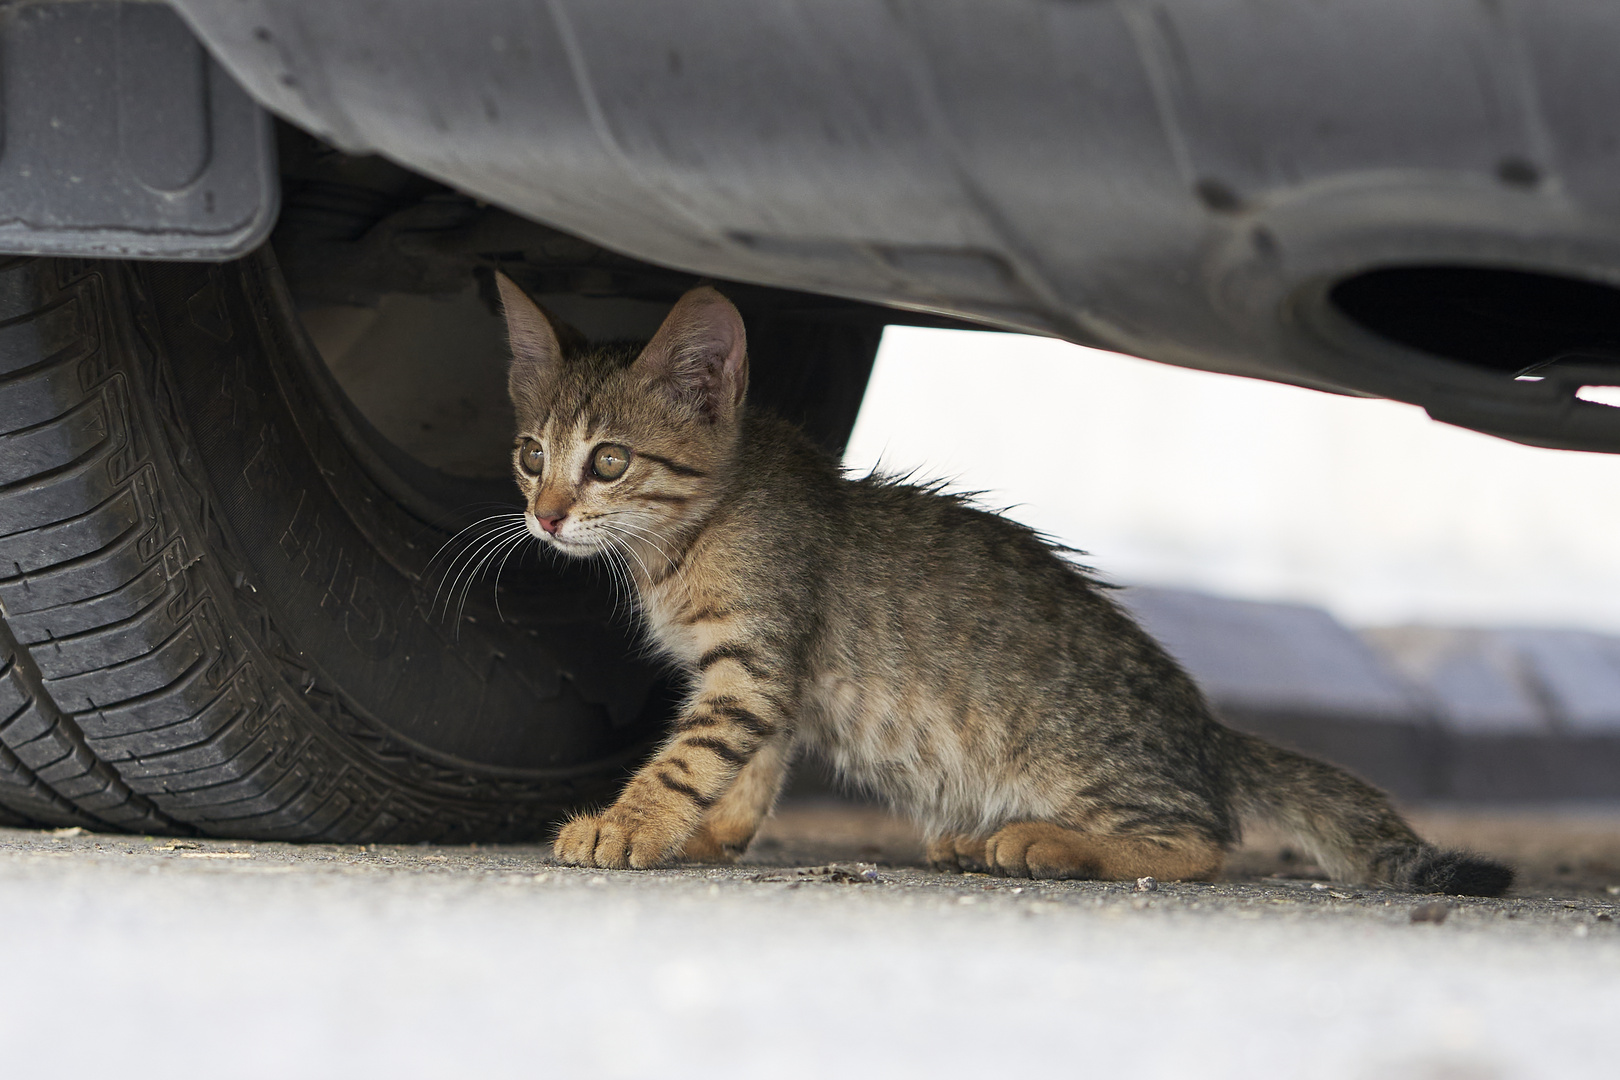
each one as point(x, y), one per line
point(1349, 827)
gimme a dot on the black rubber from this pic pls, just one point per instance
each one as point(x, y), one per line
point(217, 613)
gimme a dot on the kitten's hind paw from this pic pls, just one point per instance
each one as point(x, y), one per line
point(597, 840)
point(957, 854)
point(1038, 850)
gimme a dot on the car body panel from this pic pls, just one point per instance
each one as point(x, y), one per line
point(1184, 180)
point(122, 138)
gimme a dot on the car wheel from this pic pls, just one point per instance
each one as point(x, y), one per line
point(218, 591)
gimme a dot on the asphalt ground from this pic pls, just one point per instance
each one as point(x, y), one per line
point(830, 951)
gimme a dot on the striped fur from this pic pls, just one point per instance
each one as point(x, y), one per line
point(942, 656)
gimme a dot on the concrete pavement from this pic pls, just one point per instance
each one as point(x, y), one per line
point(131, 956)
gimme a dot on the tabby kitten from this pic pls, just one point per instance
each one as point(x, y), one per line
point(944, 657)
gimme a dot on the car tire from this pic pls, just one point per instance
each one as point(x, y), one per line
point(217, 591)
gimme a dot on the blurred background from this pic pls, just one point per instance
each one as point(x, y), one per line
point(1250, 489)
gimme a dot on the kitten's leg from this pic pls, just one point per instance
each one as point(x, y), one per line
point(1039, 849)
point(734, 717)
point(955, 853)
point(730, 824)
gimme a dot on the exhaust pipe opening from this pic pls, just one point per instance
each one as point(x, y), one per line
point(1513, 321)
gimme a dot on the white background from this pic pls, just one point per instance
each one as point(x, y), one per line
point(1252, 489)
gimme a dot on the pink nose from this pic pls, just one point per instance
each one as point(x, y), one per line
point(551, 524)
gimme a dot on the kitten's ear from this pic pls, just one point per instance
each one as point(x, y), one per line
point(699, 357)
point(534, 342)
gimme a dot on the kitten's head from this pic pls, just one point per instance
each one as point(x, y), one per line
point(617, 447)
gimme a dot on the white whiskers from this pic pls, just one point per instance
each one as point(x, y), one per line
point(491, 541)
point(486, 543)
point(637, 530)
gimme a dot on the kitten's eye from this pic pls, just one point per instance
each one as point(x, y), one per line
point(610, 461)
point(531, 459)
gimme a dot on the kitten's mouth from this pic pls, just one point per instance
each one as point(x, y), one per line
point(562, 543)
point(575, 538)
point(568, 546)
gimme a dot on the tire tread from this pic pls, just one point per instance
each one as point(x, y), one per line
point(142, 687)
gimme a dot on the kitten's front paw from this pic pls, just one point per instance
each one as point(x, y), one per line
point(707, 847)
point(599, 840)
